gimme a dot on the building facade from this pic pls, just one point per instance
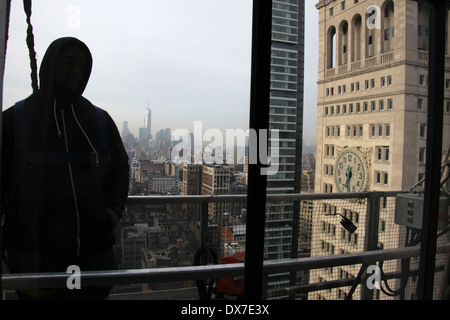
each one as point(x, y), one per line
point(216, 180)
point(286, 116)
point(371, 119)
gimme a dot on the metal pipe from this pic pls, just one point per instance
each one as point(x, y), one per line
point(259, 120)
point(5, 6)
point(92, 278)
point(269, 198)
point(436, 53)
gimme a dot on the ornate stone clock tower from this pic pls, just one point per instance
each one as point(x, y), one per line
point(371, 120)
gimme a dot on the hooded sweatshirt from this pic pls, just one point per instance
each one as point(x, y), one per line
point(68, 170)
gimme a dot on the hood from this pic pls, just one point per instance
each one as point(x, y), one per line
point(47, 70)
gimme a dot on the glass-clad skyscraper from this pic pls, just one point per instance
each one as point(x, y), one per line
point(286, 115)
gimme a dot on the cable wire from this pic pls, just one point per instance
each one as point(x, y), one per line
point(30, 44)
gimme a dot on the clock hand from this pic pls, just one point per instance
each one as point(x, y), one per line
point(348, 175)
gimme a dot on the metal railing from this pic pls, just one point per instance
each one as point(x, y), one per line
point(133, 276)
point(374, 203)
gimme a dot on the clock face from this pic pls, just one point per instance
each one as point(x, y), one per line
point(350, 172)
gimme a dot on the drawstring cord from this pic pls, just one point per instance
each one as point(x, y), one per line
point(87, 138)
point(81, 128)
point(56, 119)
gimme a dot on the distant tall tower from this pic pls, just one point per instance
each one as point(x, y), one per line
point(148, 122)
point(125, 130)
point(145, 133)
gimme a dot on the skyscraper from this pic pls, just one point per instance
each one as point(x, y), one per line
point(286, 116)
point(148, 121)
point(371, 118)
point(125, 130)
point(146, 132)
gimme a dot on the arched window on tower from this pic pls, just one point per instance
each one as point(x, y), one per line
point(370, 37)
point(422, 27)
point(331, 48)
point(356, 38)
point(343, 52)
point(388, 27)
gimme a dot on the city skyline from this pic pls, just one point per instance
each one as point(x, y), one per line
point(162, 68)
point(371, 99)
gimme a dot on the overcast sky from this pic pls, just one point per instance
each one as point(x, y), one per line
point(188, 60)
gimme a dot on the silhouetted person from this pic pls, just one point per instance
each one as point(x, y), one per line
point(65, 176)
